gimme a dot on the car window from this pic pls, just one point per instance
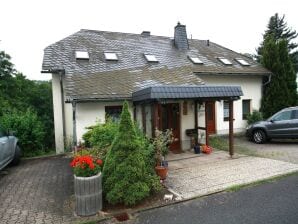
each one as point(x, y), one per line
point(286, 115)
point(295, 114)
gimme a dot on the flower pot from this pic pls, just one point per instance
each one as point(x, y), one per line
point(88, 194)
point(197, 149)
point(206, 149)
point(161, 171)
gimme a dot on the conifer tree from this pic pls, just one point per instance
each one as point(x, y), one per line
point(278, 29)
point(281, 91)
point(126, 176)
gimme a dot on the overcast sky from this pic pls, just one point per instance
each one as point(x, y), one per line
point(28, 26)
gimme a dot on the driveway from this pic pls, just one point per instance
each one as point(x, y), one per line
point(198, 175)
point(284, 150)
point(37, 191)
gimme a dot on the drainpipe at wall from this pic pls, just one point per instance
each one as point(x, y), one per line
point(74, 130)
point(264, 84)
point(269, 80)
point(62, 105)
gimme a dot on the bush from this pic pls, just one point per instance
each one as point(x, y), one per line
point(101, 136)
point(126, 176)
point(27, 128)
point(254, 117)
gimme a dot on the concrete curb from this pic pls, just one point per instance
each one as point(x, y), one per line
point(44, 157)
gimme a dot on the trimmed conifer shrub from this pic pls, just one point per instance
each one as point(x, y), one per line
point(127, 176)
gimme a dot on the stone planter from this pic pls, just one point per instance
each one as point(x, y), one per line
point(88, 194)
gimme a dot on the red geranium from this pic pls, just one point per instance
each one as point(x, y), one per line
point(86, 166)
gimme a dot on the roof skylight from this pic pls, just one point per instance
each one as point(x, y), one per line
point(82, 55)
point(242, 61)
point(150, 58)
point(110, 56)
point(225, 61)
point(195, 60)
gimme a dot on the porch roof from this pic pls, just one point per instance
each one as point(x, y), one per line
point(188, 92)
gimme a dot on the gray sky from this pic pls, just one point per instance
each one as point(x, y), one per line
point(27, 27)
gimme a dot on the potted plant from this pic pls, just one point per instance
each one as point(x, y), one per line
point(161, 144)
point(87, 184)
point(206, 149)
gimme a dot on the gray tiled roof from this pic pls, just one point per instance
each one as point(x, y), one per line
point(100, 79)
point(187, 92)
point(120, 84)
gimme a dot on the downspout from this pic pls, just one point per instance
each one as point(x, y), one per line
point(62, 105)
point(74, 125)
point(269, 80)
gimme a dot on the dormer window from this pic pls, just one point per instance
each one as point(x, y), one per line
point(225, 61)
point(195, 60)
point(82, 55)
point(150, 58)
point(242, 61)
point(111, 56)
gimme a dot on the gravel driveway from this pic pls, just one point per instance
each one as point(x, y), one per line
point(284, 150)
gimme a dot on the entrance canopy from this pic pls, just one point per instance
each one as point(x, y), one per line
point(155, 95)
point(204, 92)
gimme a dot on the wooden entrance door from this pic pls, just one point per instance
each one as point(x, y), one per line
point(210, 117)
point(170, 119)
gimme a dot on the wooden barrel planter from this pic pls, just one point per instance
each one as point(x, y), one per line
point(88, 194)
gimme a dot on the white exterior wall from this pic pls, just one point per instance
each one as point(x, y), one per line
point(187, 122)
point(87, 114)
point(58, 117)
point(252, 89)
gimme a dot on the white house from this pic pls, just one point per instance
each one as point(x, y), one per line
point(176, 83)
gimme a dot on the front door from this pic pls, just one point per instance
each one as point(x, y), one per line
point(210, 117)
point(170, 119)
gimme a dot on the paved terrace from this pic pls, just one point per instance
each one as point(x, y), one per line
point(192, 175)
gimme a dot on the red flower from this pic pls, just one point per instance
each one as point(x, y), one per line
point(99, 162)
point(86, 165)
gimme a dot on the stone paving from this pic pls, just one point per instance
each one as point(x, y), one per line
point(205, 174)
point(37, 191)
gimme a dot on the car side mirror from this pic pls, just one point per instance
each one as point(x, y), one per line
point(272, 120)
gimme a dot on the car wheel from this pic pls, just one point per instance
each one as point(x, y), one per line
point(259, 136)
point(17, 156)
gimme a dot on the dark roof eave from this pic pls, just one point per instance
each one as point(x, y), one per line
point(202, 92)
point(199, 99)
point(106, 99)
point(233, 73)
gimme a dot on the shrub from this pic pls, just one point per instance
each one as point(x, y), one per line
point(126, 177)
point(87, 137)
point(101, 136)
point(27, 128)
point(254, 117)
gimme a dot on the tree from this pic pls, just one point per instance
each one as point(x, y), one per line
point(6, 67)
point(281, 91)
point(277, 29)
point(18, 94)
point(126, 176)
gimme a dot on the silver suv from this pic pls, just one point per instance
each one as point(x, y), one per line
point(9, 150)
point(283, 124)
